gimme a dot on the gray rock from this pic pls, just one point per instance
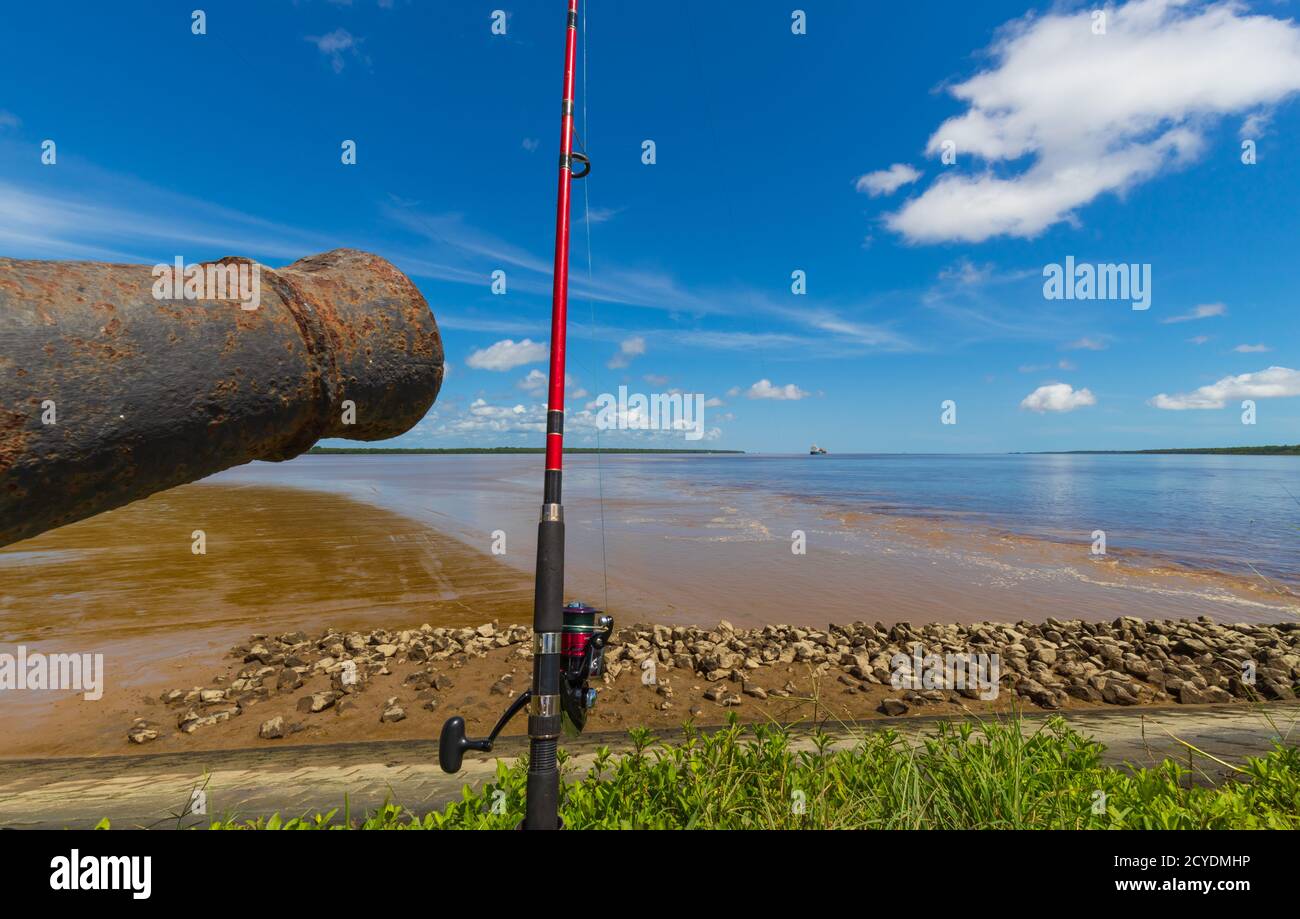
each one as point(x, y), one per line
point(1190, 694)
point(1276, 689)
point(317, 702)
point(1084, 692)
point(1044, 655)
point(142, 734)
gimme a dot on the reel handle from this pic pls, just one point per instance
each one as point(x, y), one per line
point(452, 742)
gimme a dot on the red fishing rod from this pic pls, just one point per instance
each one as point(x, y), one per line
point(568, 641)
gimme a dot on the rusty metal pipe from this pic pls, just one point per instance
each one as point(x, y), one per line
point(109, 393)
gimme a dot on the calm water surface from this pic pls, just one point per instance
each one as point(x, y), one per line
point(937, 537)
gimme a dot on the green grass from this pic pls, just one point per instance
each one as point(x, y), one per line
point(959, 777)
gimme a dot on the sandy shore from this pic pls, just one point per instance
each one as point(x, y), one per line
point(280, 561)
point(340, 687)
point(126, 585)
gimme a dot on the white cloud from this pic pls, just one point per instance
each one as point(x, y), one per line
point(1198, 339)
point(531, 144)
point(1087, 343)
point(1057, 397)
point(507, 355)
point(335, 44)
point(764, 389)
point(603, 214)
point(1273, 383)
point(630, 348)
point(8, 119)
point(537, 382)
point(534, 383)
point(1204, 311)
point(483, 418)
point(1094, 114)
point(887, 181)
point(1063, 364)
point(1252, 349)
point(485, 422)
point(1256, 125)
point(966, 272)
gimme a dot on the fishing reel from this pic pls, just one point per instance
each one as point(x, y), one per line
point(583, 639)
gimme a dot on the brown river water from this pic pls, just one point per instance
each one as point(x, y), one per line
point(356, 542)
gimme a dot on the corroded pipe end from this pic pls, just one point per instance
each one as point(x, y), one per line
point(381, 349)
point(115, 384)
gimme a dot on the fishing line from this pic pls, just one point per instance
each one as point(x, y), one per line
point(591, 306)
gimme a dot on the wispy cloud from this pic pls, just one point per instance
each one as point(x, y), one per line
point(887, 181)
point(454, 242)
point(1204, 311)
point(984, 302)
point(603, 214)
point(490, 326)
point(742, 341)
point(145, 224)
point(1087, 343)
point(337, 47)
point(1256, 125)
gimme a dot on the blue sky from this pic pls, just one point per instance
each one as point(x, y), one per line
point(776, 152)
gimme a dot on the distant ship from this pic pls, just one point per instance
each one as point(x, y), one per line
point(816, 451)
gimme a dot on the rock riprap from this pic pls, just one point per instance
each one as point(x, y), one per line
point(1048, 665)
